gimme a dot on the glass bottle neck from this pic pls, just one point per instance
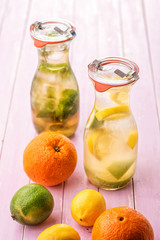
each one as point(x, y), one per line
point(112, 97)
point(54, 53)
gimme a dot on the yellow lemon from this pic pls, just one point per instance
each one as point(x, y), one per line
point(99, 142)
point(103, 145)
point(92, 138)
point(132, 139)
point(113, 113)
point(86, 207)
point(59, 232)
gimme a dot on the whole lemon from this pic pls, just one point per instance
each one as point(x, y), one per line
point(31, 204)
point(86, 207)
point(59, 232)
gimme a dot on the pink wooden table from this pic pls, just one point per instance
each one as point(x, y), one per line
point(104, 28)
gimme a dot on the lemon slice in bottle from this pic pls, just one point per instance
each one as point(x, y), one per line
point(132, 139)
point(113, 113)
point(99, 143)
point(92, 138)
point(102, 145)
point(120, 96)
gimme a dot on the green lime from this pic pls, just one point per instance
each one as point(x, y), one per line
point(31, 204)
point(68, 104)
point(93, 122)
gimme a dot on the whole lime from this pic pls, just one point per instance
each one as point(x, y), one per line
point(31, 204)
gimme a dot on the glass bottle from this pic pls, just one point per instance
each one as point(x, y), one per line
point(111, 136)
point(54, 90)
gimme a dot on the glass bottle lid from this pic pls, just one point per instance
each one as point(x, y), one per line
point(111, 72)
point(50, 32)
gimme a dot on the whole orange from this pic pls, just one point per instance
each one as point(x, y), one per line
point(122, 223)
point(49, 159)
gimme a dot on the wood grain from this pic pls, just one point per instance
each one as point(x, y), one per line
point(11, 176)
point(144, 107)
point(110, 44)
point(83, 50)
point(11, 42)
point(152, 26)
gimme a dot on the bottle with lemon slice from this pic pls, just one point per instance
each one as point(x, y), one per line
point(111, 136)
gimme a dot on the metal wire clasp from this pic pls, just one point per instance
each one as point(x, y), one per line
point(60, 31)
point(131, 74)
point(97, 65)
point(38, 25)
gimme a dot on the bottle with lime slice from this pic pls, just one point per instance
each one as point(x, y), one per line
point(54, 91)
point(111, 136)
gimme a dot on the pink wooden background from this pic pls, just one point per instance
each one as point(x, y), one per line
point(104, 28)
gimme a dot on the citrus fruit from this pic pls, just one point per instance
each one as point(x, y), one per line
point(106, 182)
point(113, 113)
point(93, 122)
point(102, 144)
point(120, 96)
point(122, 223)
point(92, 138)
point(119, 168)
point(86, 206)
point(99, 143)
point(49, 159)
point(31, 204)
point(132, 139)
point(59, 232)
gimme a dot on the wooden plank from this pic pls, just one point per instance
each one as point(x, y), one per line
point(150, 13)
point(3, 7)
point(97, 36)
point(144, 108)
point(9, 59)
point(20, 125)
point(110, 44)
point(11, 41)
point(43, 10)
point(84, 50)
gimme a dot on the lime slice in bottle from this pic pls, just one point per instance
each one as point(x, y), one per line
point(119, 168)
point(132, 139)
point(51, 92)
point(102, 146)
point(93, 122)
point(68, 104)
point(113, 113)
point(48, 111)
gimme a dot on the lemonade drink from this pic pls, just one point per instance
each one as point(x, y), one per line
point(54, 91)
point(110, 138)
